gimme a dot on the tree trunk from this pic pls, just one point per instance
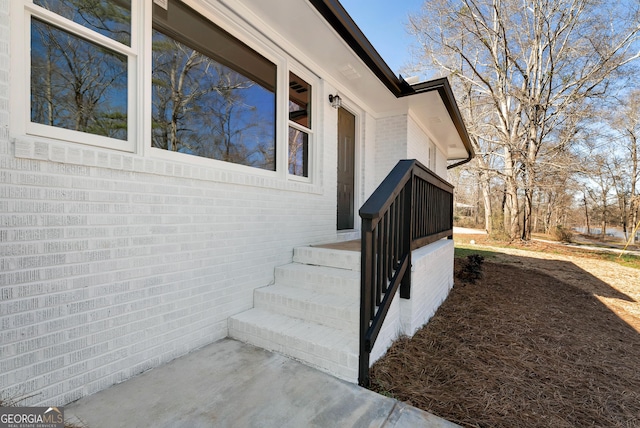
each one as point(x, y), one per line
point(586, 212)
point(635, 226)
point(488, 213)
point(511, 221)
point(527, 212)
point(486, 198)
point(605, 214)
point(635, 199)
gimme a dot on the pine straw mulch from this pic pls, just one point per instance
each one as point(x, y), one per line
point(522, 348)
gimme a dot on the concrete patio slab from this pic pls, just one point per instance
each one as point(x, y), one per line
point(232, 384)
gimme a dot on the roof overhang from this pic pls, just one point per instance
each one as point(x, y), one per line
point(458, 147)
point(323, 36)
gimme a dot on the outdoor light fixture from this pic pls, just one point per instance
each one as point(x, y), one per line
point(335, 101)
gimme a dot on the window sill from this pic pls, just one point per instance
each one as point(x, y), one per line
point(158, 164)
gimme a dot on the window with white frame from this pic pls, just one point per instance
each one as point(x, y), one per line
point(212, 95)
point(299, 125)
point(80, 71)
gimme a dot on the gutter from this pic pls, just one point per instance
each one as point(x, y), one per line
point(336, 15)
point(446, 95)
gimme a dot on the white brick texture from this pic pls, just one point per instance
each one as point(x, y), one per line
point(417, 143)
point(114, 263)
point(391, 144)
point(105, 273)
point(431, 281)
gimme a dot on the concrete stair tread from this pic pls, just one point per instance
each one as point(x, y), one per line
point(323, 270)
point(337, 311)
point(311, 296)
point(305, 330)
point(324, 279)
point(332, 350)
point(318, 256)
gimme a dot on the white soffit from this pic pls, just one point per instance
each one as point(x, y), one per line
point(429, 110)
point(297, 27)
point(301, 26)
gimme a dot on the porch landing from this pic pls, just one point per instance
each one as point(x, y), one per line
point(232, 384)
point(353, 245)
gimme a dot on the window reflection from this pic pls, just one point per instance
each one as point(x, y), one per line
point(298, 152)
point(76, 84)
point(300, 125)
point(203, 108)
point(111, 18)
point(299, 101)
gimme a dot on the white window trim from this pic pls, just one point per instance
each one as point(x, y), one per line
point(139, 90)
point(312, 144)
point(220, 18)
point(20, 112)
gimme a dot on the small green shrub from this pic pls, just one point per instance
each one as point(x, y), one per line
point(471, 269)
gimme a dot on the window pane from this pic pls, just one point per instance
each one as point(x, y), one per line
point(111, 18)
point(299, 101)
point(76, 84)
point(298, 152)
point(203, 108)
point(193, 30)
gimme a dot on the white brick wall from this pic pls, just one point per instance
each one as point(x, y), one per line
point(418, 143)
point(391, 144)
point(114, 263)
point(431, 281)
point(108, 272)
point(418, 148)
point(368, 156)
point(400, 137)
point(441, 164)
point(390, 331)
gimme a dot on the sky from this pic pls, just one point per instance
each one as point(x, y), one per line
point(384, 24)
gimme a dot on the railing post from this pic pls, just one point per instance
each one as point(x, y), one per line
point(366, 266)
point(451, 207)
point(405, 285)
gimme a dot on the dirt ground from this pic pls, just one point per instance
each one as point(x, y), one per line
point(541, 340)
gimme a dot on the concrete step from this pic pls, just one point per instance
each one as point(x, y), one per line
point(328, 349)
point(341, 282)
point(341, 312)
point(316, 256)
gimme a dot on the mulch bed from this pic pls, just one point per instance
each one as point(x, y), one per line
point(518, 348)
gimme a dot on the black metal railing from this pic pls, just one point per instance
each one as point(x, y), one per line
point(412, 208)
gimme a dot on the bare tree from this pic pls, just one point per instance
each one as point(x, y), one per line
point(537, 66)
point(625, 120)
point(77, 85)
point(201, 107)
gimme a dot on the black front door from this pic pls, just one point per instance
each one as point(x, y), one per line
point(346, 162)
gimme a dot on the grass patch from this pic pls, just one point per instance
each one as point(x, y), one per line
point(462, 251)
point(464, 248)
point(627, 260)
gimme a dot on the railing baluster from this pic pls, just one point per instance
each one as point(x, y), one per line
point(378, 263)
point(392, 240)
point(411, 208)
point(374, 268)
